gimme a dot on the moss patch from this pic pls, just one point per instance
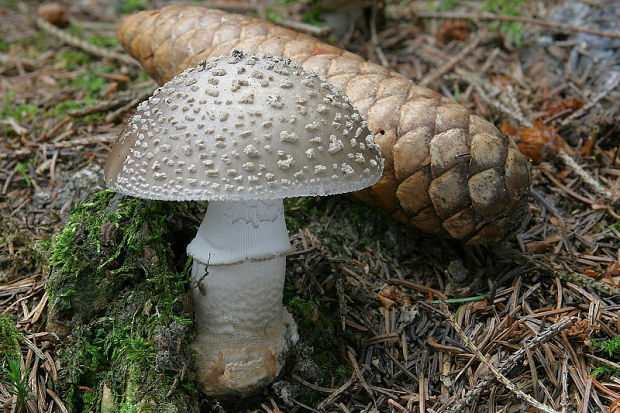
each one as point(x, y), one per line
point(10, 339)
point(12, 373)
point(120, 296)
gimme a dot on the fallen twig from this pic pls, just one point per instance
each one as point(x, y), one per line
point(415, 286)
point(601, 288)
point(312, 385)
point(120, 100)
point(435, 74)
point(77, 42)
point(112, 116)
point(564, 380)
point(585, 108)
point(360, 376)
point(329, 399)
point(318, 31)
point(231, 6)
point(494, 370)
point(587, 179)
point(518, 19)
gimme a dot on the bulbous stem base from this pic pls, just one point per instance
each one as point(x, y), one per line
point(243, 330)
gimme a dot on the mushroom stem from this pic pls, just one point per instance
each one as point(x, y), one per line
point(243, 330)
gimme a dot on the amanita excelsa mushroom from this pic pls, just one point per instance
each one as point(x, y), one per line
point(243, 132)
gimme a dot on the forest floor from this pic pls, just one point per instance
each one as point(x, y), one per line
point(391, 320)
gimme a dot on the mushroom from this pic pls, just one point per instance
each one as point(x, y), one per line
point(242, 132)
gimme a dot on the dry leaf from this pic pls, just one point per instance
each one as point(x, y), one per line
point(390, 295)
point(538, 143)
point(582, 330)
point(564, 107)
point(457, 29)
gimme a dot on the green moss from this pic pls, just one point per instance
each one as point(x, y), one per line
point(17, 379)
point(75, 30)
point(92, 83)
point(8, 4)
point(103, 41)
point(32, 46)
point(330, 365)
point(312, 10)
point(117, 291)
point(129, 6)
point(341, 371)
point(298, 212)
point(611, 350)
point(23, 168)
point(10, 339)
point(18, 112)
point(71, 59)
point(610, 347)
point(305, 307)
point(442, 5)
point(317, 327)
point(63, 109)
point(605, 371)
point(24, 112)
point(513, 31)
point(11, 364)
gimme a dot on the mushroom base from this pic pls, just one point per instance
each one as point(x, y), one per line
point(243, 330)
point(230, 366)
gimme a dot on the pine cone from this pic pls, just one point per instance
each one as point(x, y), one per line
point(447, 171)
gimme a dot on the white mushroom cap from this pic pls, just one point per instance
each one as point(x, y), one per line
point(244, 127)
